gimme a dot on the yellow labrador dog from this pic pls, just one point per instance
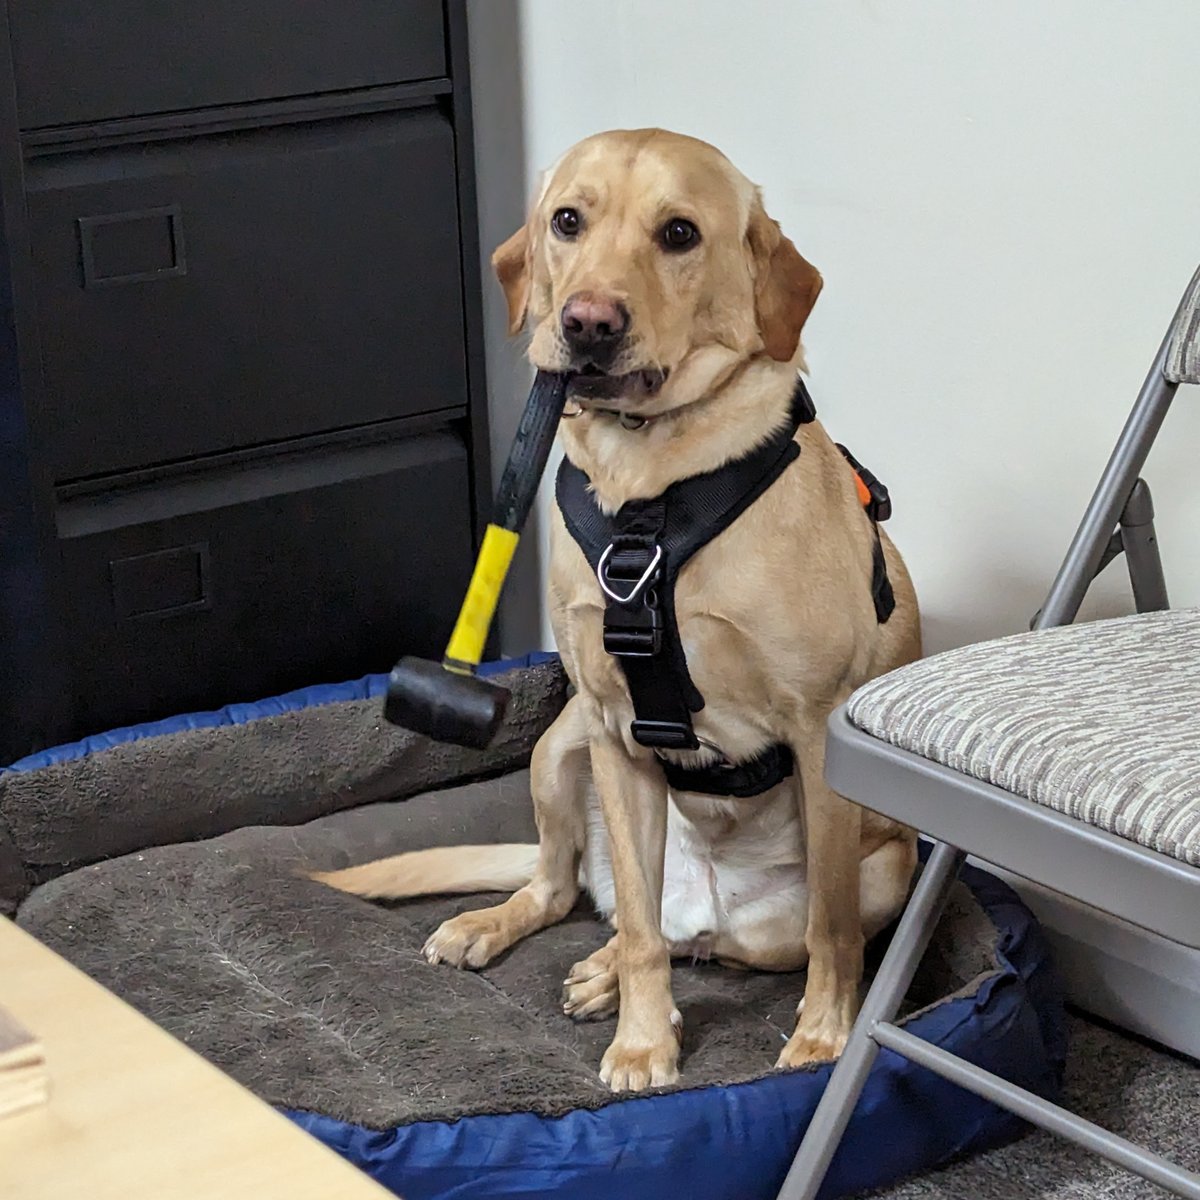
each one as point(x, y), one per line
point(649, 271)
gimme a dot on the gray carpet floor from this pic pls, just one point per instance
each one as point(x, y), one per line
point(1150, 1097)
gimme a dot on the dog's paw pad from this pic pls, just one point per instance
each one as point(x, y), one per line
point(629, 1068)
point(469, 941)
point(591, 991)
point(592, 997)
point(804, 1048)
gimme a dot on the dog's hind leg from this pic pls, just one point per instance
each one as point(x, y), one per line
point(834, 933)
point(766, 934)
point(559, 775)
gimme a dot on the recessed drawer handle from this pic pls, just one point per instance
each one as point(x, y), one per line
point(132, 247)
point(162, 583)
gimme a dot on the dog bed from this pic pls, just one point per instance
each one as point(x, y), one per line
point(441, 1083)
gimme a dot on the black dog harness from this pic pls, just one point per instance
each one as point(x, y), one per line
point(637, 555)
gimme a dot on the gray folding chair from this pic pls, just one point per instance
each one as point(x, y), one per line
point(1069, 756)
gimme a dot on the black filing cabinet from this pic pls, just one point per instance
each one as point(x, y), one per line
point(242, 413)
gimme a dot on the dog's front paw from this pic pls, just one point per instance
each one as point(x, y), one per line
point(591, 991)
point(818, 1040)
point(630, 1066)
point(470, 940)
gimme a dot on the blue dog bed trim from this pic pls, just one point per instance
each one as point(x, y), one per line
point(736, 1142)
point(715, 1143)
point(366, 688)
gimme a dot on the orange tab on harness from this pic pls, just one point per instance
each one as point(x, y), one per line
point(864, 492)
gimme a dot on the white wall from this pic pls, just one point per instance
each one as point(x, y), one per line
point(1004, 200)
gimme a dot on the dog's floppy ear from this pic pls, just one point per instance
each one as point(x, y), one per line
point(785, 285)
point(511, 262)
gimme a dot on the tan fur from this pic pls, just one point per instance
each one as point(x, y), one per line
point(443, 870)
point(776, 613)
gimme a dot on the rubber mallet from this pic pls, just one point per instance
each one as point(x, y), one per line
point(447, 701)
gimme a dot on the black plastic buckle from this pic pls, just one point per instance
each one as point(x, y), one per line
point(804, 411)
point(664, 735)
point(634, 632)
point(880, 507)
point(633, 624)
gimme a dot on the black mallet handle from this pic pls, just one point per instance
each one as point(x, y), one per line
point(449, 703)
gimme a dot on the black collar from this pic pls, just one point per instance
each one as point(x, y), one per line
point(803, 411)
point(627, 420)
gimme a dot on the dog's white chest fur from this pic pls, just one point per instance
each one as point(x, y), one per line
point(730, 866)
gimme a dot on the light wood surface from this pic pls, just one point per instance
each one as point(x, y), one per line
point(22, 1067)
point(133, 1113)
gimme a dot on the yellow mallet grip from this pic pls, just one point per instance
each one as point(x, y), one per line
point(465, 650)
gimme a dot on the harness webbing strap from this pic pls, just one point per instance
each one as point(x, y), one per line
point(641, 631)
point(878, 506)
point(740, 780)
point(881, 585)
point(637, 554)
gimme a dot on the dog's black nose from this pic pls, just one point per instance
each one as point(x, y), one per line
point(594, 325)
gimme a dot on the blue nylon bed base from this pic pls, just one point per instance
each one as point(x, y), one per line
point(736, 1142)
point(714, 1143)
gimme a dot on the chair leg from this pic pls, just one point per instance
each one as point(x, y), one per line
point(1103, 512)
point(881, 1003)
point(1140, 544)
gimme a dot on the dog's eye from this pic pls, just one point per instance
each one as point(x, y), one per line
point(678, 234)
point(566, 222)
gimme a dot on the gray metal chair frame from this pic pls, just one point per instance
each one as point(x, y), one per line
point(962, 816)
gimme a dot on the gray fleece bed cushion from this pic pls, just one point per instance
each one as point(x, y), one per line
point(318, 1001)
point(174, 869)
point(282, 768)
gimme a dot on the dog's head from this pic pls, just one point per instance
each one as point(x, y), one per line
point(648, 270)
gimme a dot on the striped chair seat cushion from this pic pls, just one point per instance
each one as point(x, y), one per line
point(1100, 721)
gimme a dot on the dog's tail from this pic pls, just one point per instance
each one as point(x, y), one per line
point(443, 870)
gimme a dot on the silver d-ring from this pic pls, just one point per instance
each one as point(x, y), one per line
point(647, 575)
point(724, 762)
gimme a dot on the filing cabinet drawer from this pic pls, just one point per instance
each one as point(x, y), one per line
point(234, 290)
point(81, 61)
point(247, 581)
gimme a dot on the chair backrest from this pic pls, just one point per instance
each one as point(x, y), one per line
point(1183, 354)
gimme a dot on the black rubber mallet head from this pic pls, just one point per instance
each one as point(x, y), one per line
point(447, 701)
point(430, 698)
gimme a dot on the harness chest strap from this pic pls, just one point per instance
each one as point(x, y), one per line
point(637, 555)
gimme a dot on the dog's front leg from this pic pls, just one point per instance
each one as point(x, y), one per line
point(633, 798)
point(558, 779)
point(834, 935)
